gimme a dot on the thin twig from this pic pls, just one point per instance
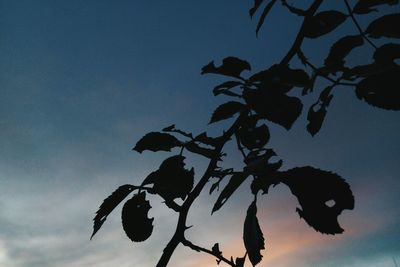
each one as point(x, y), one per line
point(178, 236)
point(319, 73)
point(300, 36)
point(358, 25)
point(189, 244)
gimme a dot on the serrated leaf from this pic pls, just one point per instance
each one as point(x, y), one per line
point(340, 49)
point(381, 90)
point(156, 141)
point(264, 14)
point(385, 26)
point(226, 111)
point(135, 222)
point(365, 6)
point(233, 184)
point(323, 23)
point(316, 113)
point(171, 180)
point(109, 205)
point(274, 106)
point(252, 235)
point(231, 66)
point(313, 189)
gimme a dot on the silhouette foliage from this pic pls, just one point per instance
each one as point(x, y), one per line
point(273, 95)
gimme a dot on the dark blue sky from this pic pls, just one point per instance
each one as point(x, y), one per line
point(82, 81)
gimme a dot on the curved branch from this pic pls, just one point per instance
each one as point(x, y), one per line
point(181, 227)
point(358, 25)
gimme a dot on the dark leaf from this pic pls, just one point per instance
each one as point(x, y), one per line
point(274, 106)
point(257, 161)
point(323, 23)
point(340, 49)
point(253, 137)
point(171, 180)
point(155, 141)
point(310, 87)
point(317, 111)
point(252, 235)
point(293, 9)
point(381, 90)
point(231, 66)
point(264, 172)
point(226, 111)
point(233, 184)
point(365, 6)
point(257, 138)
point(137, 226)
point(215, 250)
point(281, 77)
point(385, 26)
point(195, 148)
point(313, 188)
point(256, 5)
point(368, 70)
point(214, 186)
point(108, 206)
point(387, 53)
point(266, 10)
point(225, 87)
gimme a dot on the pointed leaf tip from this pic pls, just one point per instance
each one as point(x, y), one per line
point(252, 235)
point(108, 206)
point(233, 184)
point(225, 111)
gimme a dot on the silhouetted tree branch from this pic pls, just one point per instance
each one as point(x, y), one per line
point(263, 98)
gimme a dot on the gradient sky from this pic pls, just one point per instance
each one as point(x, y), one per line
point(82, 81)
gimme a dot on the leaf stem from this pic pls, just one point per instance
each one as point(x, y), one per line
point(351, 14)
point(321, 74)
point(178, 236)
point(189, 244)
point(300, 36)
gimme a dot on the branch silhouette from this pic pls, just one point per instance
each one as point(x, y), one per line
point(261, 99)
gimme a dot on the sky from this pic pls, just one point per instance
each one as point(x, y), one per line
point(82, 81)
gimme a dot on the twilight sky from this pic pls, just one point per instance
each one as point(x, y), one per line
point(82, 81)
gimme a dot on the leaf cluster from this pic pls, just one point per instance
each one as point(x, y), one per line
point(257, 100)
